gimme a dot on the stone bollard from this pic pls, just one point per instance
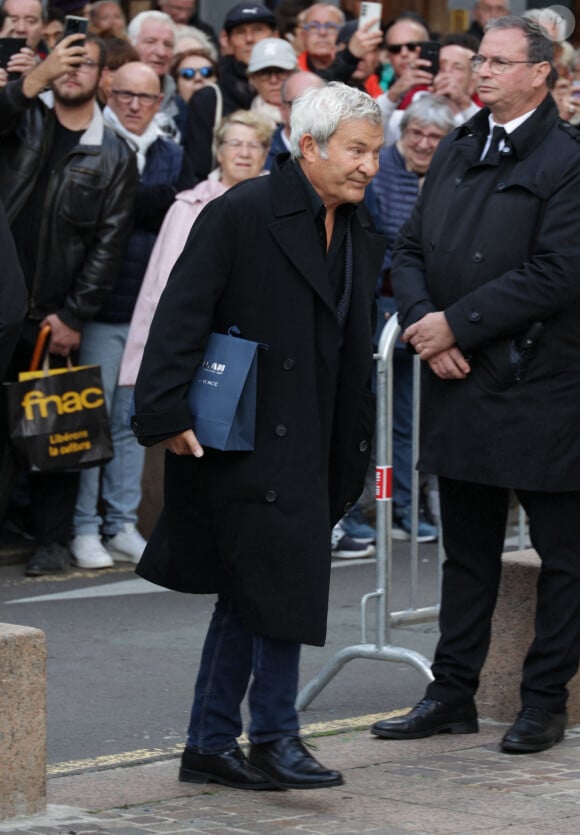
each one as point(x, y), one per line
point(498, 696)
point(22, 721)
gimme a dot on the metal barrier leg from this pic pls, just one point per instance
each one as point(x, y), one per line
point(369, 651)
point(381, 650)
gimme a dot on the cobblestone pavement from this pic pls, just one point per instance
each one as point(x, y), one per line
point(445, 784)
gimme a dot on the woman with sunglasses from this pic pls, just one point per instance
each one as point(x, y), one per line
point(191, 70)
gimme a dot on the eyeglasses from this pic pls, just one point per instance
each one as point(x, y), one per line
point(417, 135)
point(191, 72)
point(145, 99)
point(395, 48)
point(237, 145)
point(497, 66)
point(315, 26)
point(86, 65)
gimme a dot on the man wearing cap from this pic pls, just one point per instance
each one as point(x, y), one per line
point(272, 62)
point(245, 24)
point(292, 260)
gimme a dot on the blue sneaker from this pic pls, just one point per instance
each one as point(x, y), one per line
point(355, 525)
point(344, 547)
point(402, 527)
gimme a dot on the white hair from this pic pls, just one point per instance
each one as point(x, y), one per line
point(320, 112)
point(429, 110)
point(134, 28)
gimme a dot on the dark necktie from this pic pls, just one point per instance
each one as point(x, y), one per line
point(493, 155)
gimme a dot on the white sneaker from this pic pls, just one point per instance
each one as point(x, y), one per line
point(127, 545)
point(88, 552)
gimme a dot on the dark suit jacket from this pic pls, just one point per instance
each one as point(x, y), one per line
point(253, 259)
point(496, 245)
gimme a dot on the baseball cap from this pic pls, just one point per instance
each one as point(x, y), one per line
point(248, 13)
point(272, 52)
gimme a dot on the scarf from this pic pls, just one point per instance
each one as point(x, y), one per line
point(269, 112)
point(140, 143)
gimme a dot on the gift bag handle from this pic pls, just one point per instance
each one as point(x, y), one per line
point(40, 349)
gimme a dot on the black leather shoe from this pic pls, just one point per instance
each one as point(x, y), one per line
point(427, 718)
point(534, 730)
point(48, 559)
point(287, 762)
point(230, 769)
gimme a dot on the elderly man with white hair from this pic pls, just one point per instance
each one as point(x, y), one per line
point(153, 34)
point(292, 261)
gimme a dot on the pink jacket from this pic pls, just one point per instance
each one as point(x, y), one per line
point(170, 242)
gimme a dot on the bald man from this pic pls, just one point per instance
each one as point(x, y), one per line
point(292, 88)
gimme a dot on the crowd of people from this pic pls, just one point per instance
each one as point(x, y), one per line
point(124, 221)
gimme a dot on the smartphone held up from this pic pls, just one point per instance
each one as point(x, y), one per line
point(8, 48)
point(429, 51)
point(74, 25)
point(370, 11)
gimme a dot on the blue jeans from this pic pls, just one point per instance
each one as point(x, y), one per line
point(103, 344)
point(231, 654)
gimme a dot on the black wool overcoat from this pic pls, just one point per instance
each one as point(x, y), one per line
point(257, 524)
point(496, 246)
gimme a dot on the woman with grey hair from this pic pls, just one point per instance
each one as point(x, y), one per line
point(390, 198)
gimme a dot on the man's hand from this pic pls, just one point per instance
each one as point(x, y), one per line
point(450, 365)
point(412, 76)
point(65, 57)
point(447, 85)
point(430, 335)
point(22, 62)
point(184, 444)
point(63, 339)
point(364, 40)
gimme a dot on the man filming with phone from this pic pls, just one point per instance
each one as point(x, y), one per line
point(25, 25)
point(453, 80)
point(67, 182)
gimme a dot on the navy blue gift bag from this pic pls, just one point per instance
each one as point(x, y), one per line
point(222, 397)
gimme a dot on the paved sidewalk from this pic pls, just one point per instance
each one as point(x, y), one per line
point(445, 784)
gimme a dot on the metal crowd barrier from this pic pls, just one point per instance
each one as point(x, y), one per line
point(381, 649)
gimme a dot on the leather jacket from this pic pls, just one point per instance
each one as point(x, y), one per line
point(88, 206)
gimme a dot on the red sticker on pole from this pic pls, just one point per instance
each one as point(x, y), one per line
point(384, 484)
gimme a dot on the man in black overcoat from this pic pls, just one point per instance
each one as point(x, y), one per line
point(291, 260)
point(487, 277)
